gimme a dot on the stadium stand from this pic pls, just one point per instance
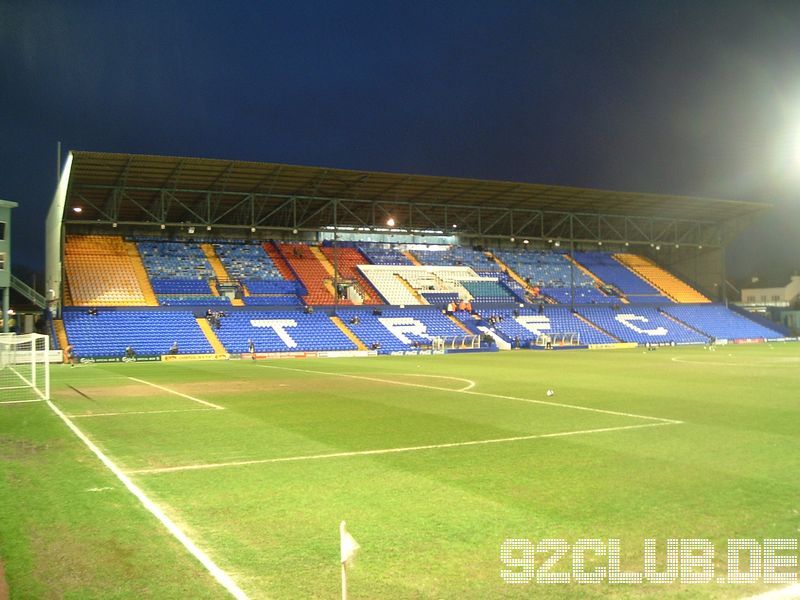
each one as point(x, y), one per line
point(383, 254)
point(397, 330)
point(487, 291)
point(246, 262)
point(582, 295)
point(717, 321)
point(180, 273)
point(528, 324)
point(666, 282)
point(100, 271)
point(457, 256)
point(281, 331)
point(346, 259)
point(310, 271)
point(148, 332)
point(641, 324)
point(544, 268)
point(614, 273)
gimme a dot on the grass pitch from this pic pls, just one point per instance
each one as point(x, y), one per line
point(432, 461)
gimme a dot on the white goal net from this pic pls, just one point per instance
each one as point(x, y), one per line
point(24, 367)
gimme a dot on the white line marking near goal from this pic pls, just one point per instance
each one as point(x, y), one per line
point(263, 461)
point(192, 398)
point(774, 362)
point(787, 593)
point(138, 412)
point(18, 401)
point(221, 576)
point(486, 394)
point(470, 384)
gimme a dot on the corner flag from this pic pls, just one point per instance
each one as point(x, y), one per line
point(348, 548)
point(348, 544)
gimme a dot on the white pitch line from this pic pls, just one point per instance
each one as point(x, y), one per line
point(192, 398)
point(486, 394)
point(221, 576)
point(139, 412)
point(518, 438)
point(18, 401)
point(470, 384)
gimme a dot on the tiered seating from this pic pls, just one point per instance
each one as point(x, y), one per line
point(437, 279)
point(192, 300)
point(99, 272)
point(252, 266)
point(281, 331)
point(382, 254)
point(545, 269)
point(719, 322)
point(247, 262)
point(310, 271)
point(346, 259)
point(528, 324)
point(150, 332)
point(440, 298)
point(612, 272)
point(397, 330)
point(583, 295)
point(179, 272)
point(487, 291)
point(457, 255)
point(391, 287)
point(641, 324)
point(661, 279)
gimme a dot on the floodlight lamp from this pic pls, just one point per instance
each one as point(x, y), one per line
point(526, 241)
point(191, 230)
point(163, 226)
point(390, 221)
point(455, 226)
point(114, 224)
point(658, 247)
point(77, 209)
point(513, 239)
point(252, 230)
point(208, 227)
point(557, 244)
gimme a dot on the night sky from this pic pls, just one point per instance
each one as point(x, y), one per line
point(695, 98)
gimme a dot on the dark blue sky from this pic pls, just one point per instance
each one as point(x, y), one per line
point(696, 98)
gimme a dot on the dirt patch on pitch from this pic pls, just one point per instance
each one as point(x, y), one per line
point(4, 593)
point(117, 392)
point(19, 449)
point(272, 386)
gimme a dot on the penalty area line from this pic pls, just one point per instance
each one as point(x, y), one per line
point(192, 398)
point(218, 574)
point(263, 461)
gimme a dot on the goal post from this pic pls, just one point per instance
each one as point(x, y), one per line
point(24, 367)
